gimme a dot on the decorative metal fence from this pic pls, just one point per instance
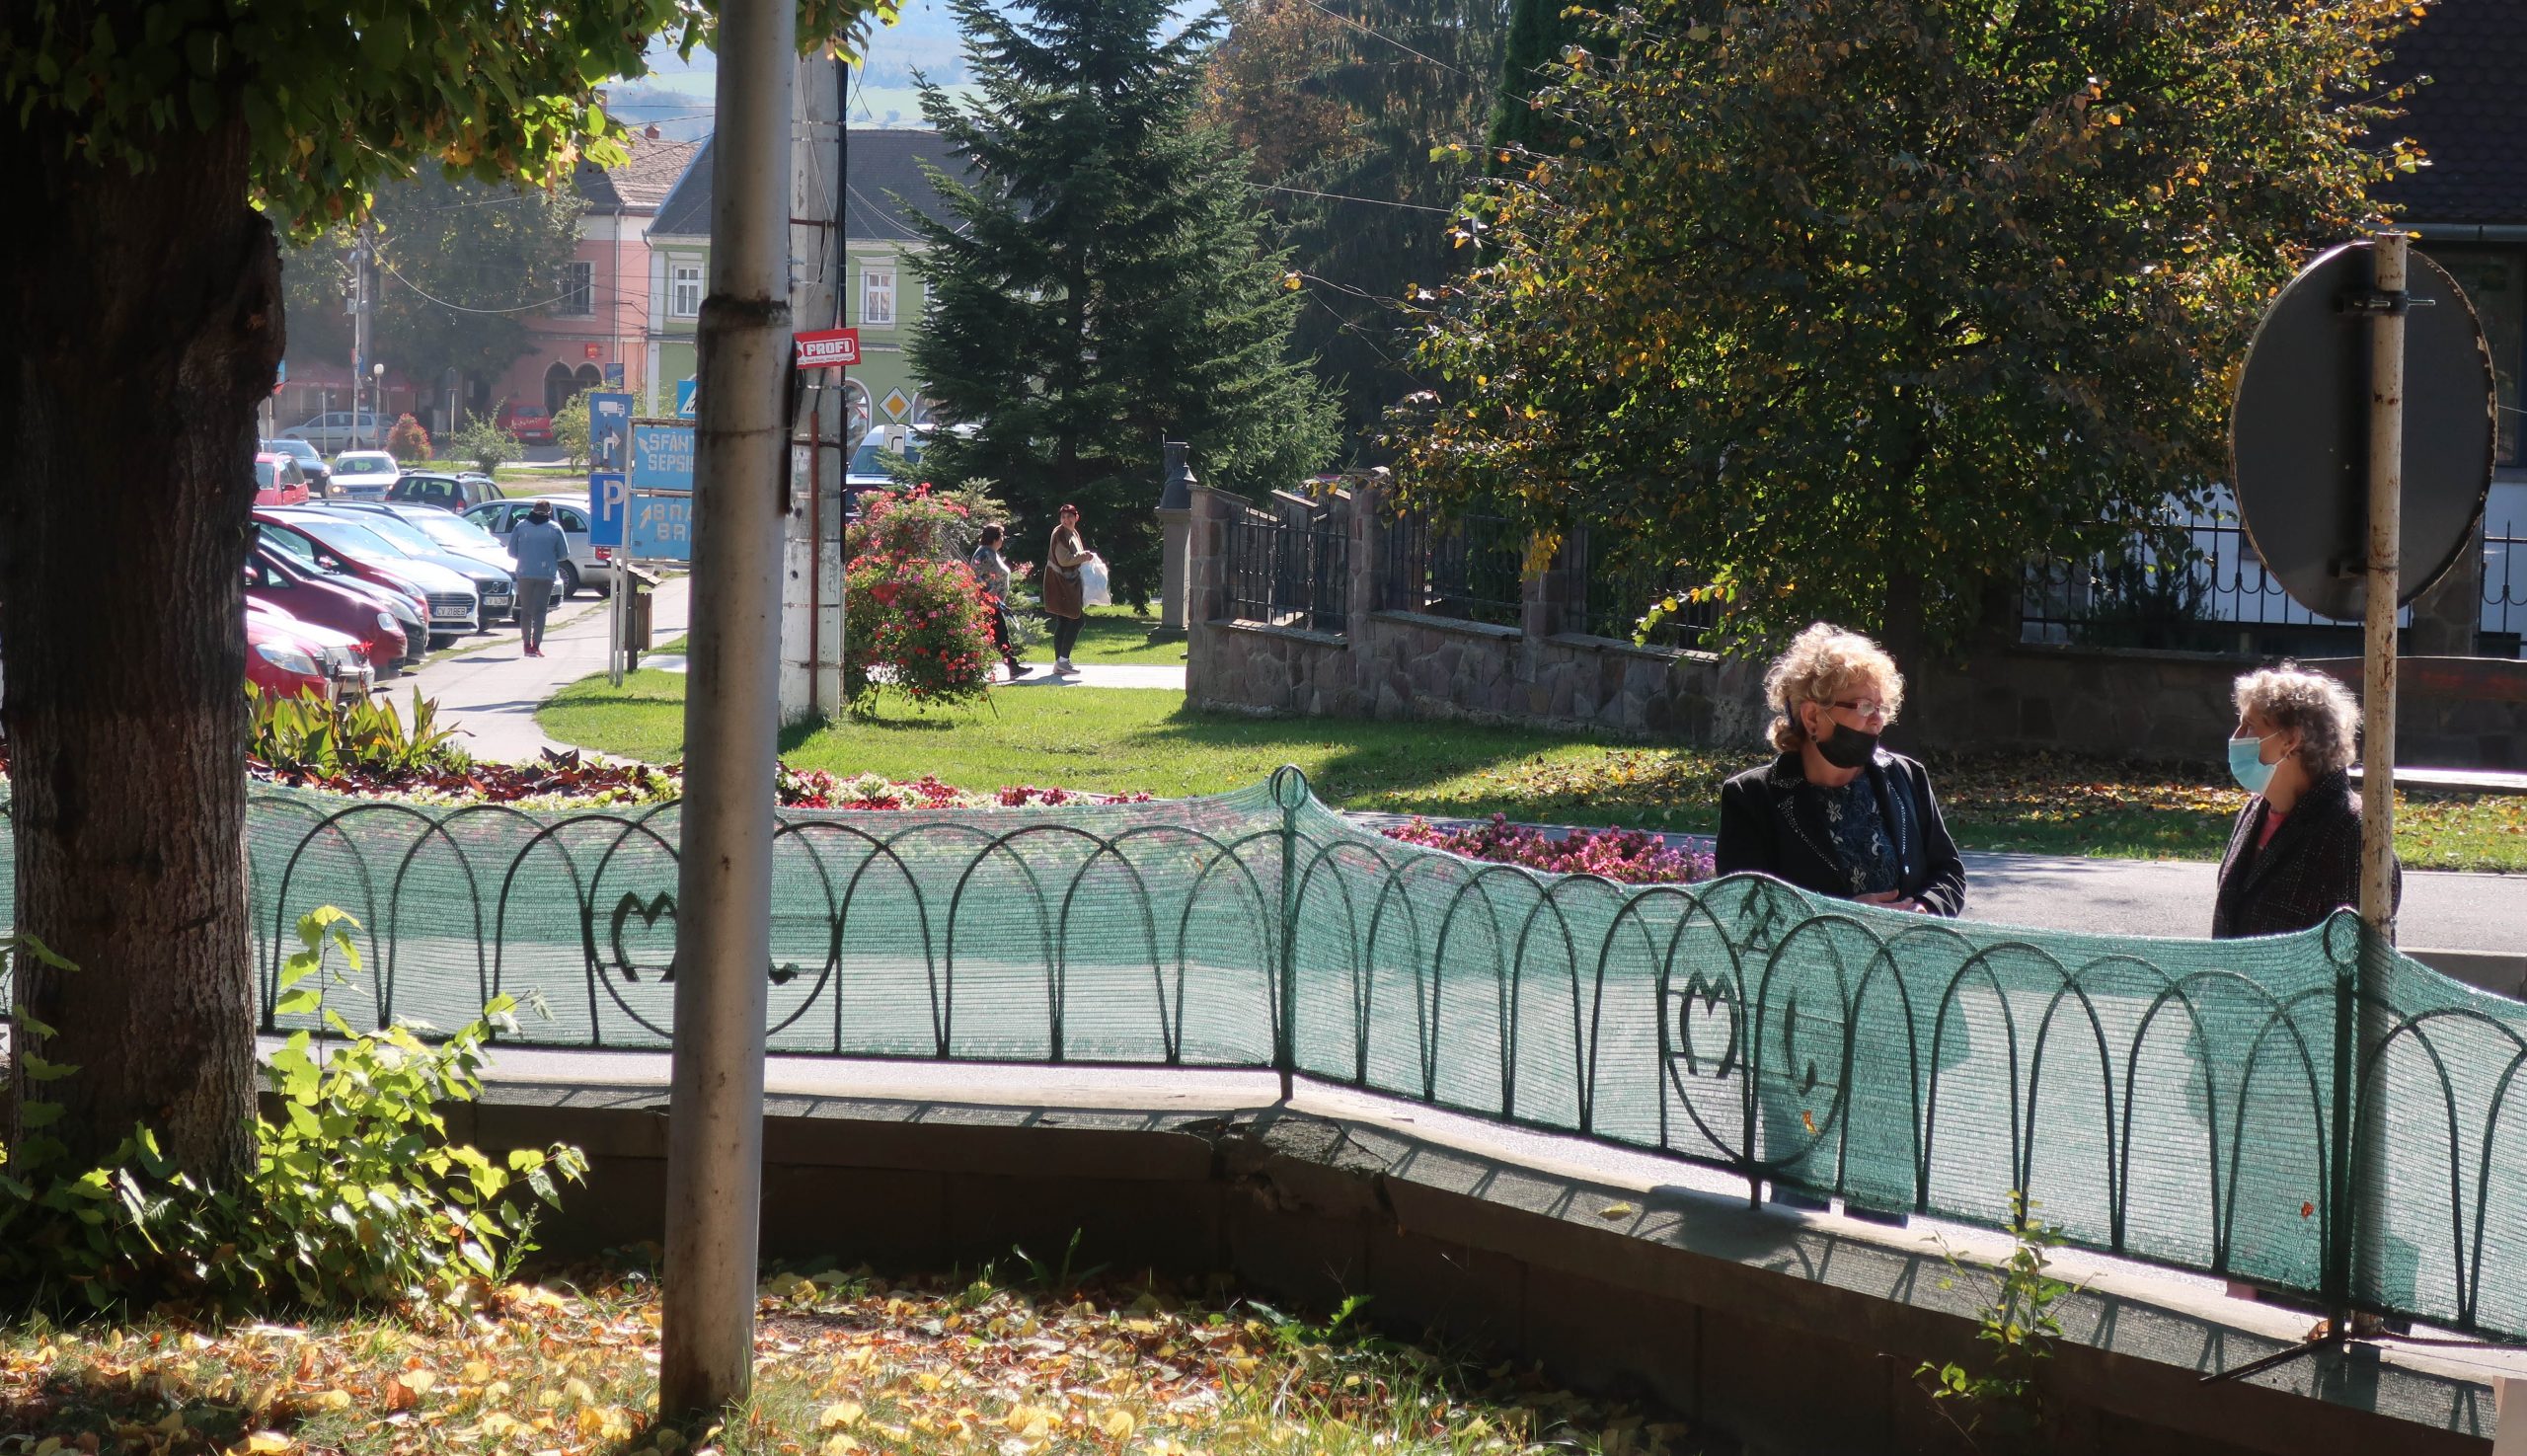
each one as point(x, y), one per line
point(1470, 567)
point(2309, 1112)
point(1292, 571)
point(2196, 583)
point(1612, 602)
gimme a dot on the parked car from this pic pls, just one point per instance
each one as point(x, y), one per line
point(278, 481)
point(494, 585)
point(341, 430)
point(311, 462)
point(531, 423)
point(408, 605)
point(319, 602)
point(449, 492)
point(366, 475)
point(449, 532)
point(339, 546)
point(286, 657)
point(585, 566)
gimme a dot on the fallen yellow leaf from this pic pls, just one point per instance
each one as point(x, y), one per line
point(1617, 1210)
point(266, 1441)
point(839, 1414)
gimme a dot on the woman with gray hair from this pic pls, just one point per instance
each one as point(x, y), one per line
point(2294, 856)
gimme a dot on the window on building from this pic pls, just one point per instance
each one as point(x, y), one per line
point(578, 291)
point(877, 298)
point(684, 289)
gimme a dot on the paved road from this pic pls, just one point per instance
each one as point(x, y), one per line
point(490, 689)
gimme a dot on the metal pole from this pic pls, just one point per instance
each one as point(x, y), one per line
point(732, 717)
point(2386, 554)
point(2363, 1235)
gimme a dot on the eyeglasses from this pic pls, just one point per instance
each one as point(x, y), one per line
point(1866, 707)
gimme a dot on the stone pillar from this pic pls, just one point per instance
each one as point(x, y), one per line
point(1206, 557)
point(1174, 523)
point(1360, 590)
point(2448, 615)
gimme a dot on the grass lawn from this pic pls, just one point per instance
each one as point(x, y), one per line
point(844, 1365)
point(1115, 635)
point(1121, 740)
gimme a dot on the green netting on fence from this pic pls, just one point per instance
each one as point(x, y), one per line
point(2279, 1110)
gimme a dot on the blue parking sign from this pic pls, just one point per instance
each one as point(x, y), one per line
point(605, 508)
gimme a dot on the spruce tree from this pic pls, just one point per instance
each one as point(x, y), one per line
point(1539, 33)
point(1414, 84)
point(1105, 283)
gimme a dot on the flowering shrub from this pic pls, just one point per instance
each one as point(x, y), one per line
point(1626, 856)
point(817, 789)
point(408, 441)
point(919, 622)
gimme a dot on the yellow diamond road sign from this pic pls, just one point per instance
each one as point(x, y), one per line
point(895, 405)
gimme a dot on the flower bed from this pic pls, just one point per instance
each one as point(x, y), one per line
point(1626, 856)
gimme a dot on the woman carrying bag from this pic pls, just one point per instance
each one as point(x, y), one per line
point(1064, 590)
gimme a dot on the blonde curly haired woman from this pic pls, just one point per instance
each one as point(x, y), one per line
point(2294, 853)
point(1836, 813)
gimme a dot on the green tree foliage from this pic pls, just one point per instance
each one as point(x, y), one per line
point(461, 269)
point(1105, 283)
point(1850, 305)
point(1540, 31)
point(570, 430)
point(1360, 119)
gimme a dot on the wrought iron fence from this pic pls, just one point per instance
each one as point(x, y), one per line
point(1472, 568)
point(1292, 571)
point(1612, 602)
point(2313, 1113)
point(2198, 584)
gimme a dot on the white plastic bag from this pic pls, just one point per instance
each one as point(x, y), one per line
point(1095, 591)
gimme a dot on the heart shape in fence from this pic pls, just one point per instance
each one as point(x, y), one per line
point(659, 906)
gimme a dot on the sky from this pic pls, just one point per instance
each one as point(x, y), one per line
point(882, 93)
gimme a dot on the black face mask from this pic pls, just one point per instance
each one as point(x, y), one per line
point(1847, 746)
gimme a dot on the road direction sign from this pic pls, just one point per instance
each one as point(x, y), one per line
point(662, 455)
point(828, 348)
point(2299, 431)
point(659, 527)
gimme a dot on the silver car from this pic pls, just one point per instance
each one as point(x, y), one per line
point(584, 567)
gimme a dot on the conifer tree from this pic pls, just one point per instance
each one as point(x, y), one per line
point(1105, 283)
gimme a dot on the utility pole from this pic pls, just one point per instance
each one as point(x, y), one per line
point(359, 323)
point(811, 606)
point(723, 896)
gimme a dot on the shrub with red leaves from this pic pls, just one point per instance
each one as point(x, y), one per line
point(1626, 856)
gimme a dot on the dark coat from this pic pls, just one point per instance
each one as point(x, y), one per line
point(1769, 828)
point(2310, 870)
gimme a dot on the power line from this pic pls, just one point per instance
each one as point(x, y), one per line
point(461, 308)
point(1348, 197)
point(1389, 39)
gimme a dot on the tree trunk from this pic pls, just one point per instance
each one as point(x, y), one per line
point(144, 326)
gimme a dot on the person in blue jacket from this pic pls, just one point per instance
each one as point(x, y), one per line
point(539, 547)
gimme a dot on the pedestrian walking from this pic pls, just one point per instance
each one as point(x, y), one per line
point(991, 571)
point(1064, 591)
point(1836, 813)
point(2294, 853)
point(538, 547)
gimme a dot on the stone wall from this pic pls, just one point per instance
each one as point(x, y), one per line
point(2452, 712)
point(1411, 666)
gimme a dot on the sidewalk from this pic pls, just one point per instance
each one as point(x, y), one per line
point(489, 688)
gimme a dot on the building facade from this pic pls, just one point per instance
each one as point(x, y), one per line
point(594, 335)
point(883, 296)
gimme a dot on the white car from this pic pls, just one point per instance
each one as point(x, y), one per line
point(340, 430)
point(585, 566)
point(366, 475)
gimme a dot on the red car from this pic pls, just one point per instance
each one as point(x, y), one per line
point(323, 603)
point(287, 657)
point(278, 480)
point(531, 423)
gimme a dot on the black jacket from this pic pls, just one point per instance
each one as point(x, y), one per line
point(2311, 869)
point(1767, 826)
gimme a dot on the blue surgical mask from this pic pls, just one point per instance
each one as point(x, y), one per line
point(2247, 765)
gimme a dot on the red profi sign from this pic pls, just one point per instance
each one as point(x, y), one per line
point(829, 348)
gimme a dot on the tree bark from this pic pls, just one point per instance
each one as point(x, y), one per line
point(144, 324)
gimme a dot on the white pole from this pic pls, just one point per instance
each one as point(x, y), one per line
point(724, 900)
point(2386, 555)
